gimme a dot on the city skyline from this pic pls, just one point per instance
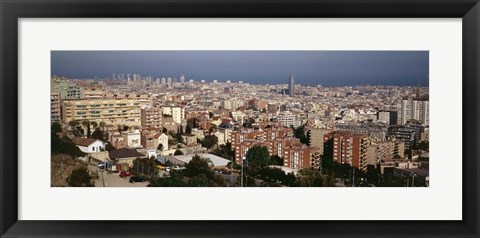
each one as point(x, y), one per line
point(310, 68)
point(255, 118)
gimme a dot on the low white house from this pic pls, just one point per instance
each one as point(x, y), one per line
point(161, 138)
point(89, 145)
point(133, 138)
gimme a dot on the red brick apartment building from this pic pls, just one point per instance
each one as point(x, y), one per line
point(279, 142)
point(349, 148)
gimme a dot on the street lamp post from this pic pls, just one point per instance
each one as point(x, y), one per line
point(241, 181)
point(231, 172)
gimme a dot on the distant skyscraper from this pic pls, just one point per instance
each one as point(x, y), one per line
point(291, 86)
point(182, 78)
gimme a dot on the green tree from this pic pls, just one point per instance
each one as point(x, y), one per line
point(64, 145)
point(56, 128)
point(249, 123)
point(392, 181)
point(197, 166)
point(98, 134)
point(179, 136)
point(172, 142)
point(193, 122)
point(86, 123)
point(102, 125)
point(274, 176)
point(257, 156)
point(209, 141)
point(228, 146)
point(74, 123)
point(312, 178)
point(275, 160)
point(248, 180)
point(224, 151)
point(80, 178)
point(199, 173)
point(327, 158)
point(200, 181)
point(109, 147)
point(300, 134)
point(174, 179)
point(160, 147)
point(188, 129)
point(372, 175)
point(178, 152)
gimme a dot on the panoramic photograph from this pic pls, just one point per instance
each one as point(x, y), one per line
point(239, 118)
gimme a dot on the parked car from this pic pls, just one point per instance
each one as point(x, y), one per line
point(135, 179)
point(102, 165)
point(125, 173)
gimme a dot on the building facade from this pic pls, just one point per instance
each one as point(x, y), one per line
point(316, 138)
point(286, 119)
point(279, 141)
point(151, 117)
point(55, 115)
point(177, 113)
point(291, 86)
point(110, 111)
point(349, 148)
point(412, 110)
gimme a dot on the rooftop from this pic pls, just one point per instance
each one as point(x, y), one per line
point(84, 141)
point(124, 153)
point(216, 160)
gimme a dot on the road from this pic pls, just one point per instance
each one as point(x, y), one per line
point(112, 179)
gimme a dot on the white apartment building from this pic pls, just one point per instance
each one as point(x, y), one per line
point(384, 116)
point(177, 113)
point(239, 116)
point(413, 110)
point(132, 138)
point(286, 118)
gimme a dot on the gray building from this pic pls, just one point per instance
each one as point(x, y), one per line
point(291, 86)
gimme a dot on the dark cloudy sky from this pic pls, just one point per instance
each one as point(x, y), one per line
point(327, 68)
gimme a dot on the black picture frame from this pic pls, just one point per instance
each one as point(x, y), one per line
point(11, 11)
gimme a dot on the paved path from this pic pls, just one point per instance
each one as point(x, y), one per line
point(113, 179)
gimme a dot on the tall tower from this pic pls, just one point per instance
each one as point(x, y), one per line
point(418, 90)
point(291, 86)
point(182, 78)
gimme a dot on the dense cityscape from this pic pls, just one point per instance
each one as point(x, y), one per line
point(133, 130)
